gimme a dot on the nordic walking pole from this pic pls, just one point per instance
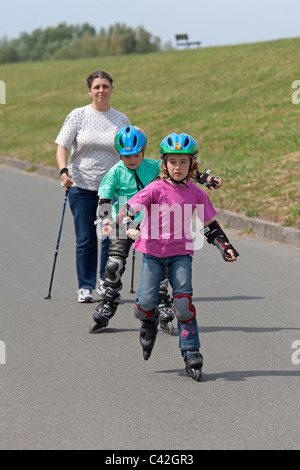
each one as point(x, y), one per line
point(57, 244)
point(132, 271)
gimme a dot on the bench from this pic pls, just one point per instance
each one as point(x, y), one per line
point(183, 40)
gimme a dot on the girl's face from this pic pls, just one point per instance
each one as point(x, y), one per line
point(178, 165)
point(100, 92)
point(133, 161)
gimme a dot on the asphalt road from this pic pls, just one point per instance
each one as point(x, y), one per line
point(62, 388)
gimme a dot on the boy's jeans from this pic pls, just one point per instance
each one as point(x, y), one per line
point(180, 277)
point(83, 204)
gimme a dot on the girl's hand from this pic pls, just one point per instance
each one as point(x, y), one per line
point(214, 183)
point(232, 257)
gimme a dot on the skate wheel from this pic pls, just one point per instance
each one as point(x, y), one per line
point(196, 374)
point(95, 327)
point(171, 328)
point(146, 354)
point(167, 328)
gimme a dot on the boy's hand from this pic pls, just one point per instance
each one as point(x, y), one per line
point(105, 226)
point(133, 233)
point(107, 230)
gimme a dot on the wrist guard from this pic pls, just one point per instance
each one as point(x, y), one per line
point(104, 209)
point(213, 182)
point(202, 177)
point(217, 237)
point(103, 213)
point(126, 216)
point(126, 220)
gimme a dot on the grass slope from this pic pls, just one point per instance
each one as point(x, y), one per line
point(235, 101)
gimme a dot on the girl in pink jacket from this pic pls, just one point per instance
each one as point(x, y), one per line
point(165, 239)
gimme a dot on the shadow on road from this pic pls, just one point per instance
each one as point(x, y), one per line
point(235, 376)
point(114, 330)
point(243, 329)
point(224, 299)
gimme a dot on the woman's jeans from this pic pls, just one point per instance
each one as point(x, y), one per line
point(83, 204)
point(180, 277)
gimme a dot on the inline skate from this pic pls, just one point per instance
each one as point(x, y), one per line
point(165, 311)
point(148, 333)
point(193, 364)
point(105, 310)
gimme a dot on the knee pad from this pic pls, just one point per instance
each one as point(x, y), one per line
point(143, 314)
point(184, 309)
point(114, 269)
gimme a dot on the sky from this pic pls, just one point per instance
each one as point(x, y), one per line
point(213, 22)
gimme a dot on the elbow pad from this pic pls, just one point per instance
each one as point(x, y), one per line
point(216, 236)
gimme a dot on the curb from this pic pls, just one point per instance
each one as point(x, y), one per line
point(42, 170)
point(261, 228)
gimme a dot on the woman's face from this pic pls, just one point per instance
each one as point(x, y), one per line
point(100, 92)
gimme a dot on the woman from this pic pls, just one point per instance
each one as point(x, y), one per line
point(89, 133)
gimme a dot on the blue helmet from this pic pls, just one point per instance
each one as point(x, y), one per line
point(178, 143)
point(130, 140)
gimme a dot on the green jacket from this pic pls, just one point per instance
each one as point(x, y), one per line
point(121, 182)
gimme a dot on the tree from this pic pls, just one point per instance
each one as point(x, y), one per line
point(77, 41)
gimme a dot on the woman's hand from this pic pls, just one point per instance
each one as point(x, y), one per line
point(67, 180)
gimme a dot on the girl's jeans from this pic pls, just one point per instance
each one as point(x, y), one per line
point(180, 277)
point(83, 204)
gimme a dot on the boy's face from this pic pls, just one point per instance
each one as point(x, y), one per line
point(178, 165)
point(133, 161)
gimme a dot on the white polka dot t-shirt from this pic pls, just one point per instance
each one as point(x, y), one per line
point(89, 134)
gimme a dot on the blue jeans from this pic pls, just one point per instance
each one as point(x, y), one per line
point(83, 205)
point(180, 277)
